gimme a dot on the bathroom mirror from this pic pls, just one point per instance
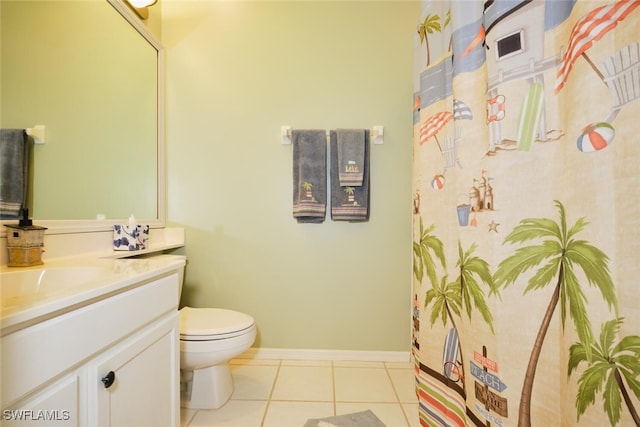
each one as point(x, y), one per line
point(92, 73)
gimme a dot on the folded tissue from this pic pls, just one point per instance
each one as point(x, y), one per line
point(130, 237)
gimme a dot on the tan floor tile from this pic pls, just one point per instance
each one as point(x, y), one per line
point(295, 414)
point(399, 365)
point(326, 363)
point(234, 413)
point(308, 383)
point(357, 364)
point(363, 385)
point(390, 414)
point(253, 381)
point(254, 362)
point(411, 411)
point(286, 393)
point(404, 382)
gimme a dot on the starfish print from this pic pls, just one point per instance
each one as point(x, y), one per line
point(493, 226)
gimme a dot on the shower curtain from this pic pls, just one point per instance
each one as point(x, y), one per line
point(526, 213)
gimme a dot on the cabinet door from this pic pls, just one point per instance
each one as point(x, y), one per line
point(57, 405)
point(136, 383)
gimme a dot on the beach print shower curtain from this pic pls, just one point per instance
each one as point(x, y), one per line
point(526, 213)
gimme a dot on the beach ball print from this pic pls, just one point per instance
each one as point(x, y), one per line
point(595, 137)
point(437, 182)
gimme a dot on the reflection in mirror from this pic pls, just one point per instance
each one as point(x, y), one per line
point(92, 79)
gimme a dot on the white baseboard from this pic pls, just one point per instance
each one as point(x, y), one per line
point(310, 354)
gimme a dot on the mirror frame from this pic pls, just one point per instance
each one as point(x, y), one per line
point(87, 226)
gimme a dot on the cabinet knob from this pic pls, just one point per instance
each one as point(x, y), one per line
point(108, 379)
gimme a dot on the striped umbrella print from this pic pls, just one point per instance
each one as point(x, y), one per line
point(589, 29)
point(432, 126)
point(461, 111)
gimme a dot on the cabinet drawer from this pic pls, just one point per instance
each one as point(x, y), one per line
point(37, 354)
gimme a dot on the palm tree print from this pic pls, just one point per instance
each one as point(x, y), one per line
point(422, 254)
point(307, 186)
point(610, 363)
point(431, 23)
point(473, 269)
point(447, 301)
point(349, 193)
point(463, 293)
point(561, 254)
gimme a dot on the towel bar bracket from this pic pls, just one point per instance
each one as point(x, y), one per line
point(37, 133)
point(285, 133)
point(377, 134)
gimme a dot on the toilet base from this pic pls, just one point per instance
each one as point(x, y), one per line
point(210, 388)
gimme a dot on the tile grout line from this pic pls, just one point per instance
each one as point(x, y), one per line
point(333, 387)
point(280, 363)
point(395, 391)
point(273, 387)
point(190, 418)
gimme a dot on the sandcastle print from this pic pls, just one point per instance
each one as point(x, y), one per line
point(479, 199)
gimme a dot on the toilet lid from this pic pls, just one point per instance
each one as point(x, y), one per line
point(212, 323)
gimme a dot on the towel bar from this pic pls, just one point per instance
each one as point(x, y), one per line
point(377, 134)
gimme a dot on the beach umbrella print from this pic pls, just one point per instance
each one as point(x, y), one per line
point(432, 126)
point(590, 28)
point(461, 111)
point(587, 30)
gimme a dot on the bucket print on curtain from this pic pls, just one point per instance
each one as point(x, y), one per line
point(527, 213)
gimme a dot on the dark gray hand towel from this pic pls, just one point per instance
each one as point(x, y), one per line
point(309, 175)
point(349, 203)
point(14, 171)
point(351, 156)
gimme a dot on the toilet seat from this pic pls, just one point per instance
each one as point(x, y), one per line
point(210, 324)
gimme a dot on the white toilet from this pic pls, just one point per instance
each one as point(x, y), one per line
point(209, 338)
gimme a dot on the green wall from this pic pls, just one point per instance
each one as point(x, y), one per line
point(236, 72)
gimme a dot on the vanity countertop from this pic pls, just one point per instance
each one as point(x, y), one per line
point(34, 294)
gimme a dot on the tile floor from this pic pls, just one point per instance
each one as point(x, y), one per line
point(285, 393)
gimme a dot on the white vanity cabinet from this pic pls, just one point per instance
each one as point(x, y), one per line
point(58, 371)
point(135, 383)
point(57, 403)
